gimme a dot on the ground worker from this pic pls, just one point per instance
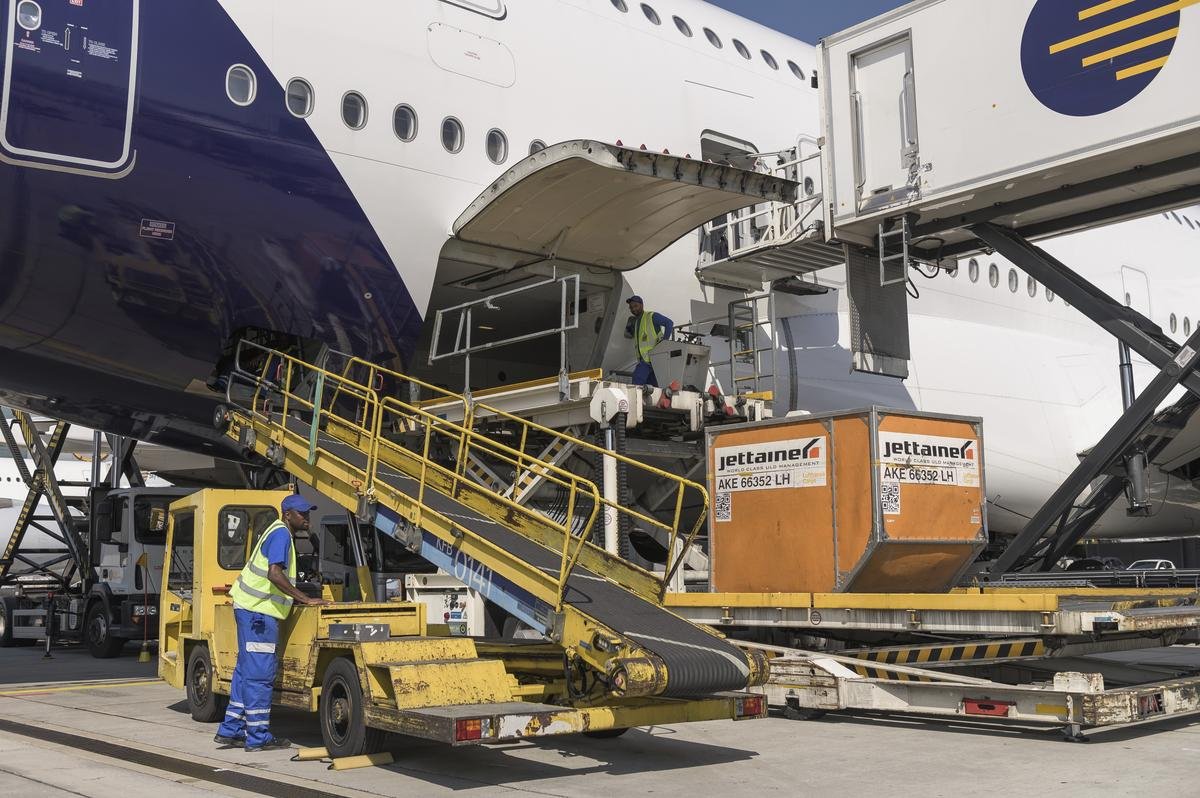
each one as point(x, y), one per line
point(262, 597)
point(647, 328)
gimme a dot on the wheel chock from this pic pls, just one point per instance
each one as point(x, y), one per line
point(310, 755)
point(364, 761)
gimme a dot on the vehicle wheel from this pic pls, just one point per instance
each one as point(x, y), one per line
point(221, 418)
point(604, 734)
point(97, 633)
point(343, 715)
point(7, 605)
point(205, 705)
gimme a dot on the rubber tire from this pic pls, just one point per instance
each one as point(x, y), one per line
point(605, 734)
point(104, 645)
point(7, 605)
point(342, 705)
point(205, 705)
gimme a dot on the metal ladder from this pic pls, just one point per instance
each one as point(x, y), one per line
point(751, 348)
point(605, 612)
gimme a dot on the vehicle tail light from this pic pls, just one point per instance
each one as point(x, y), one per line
point(981, 706)
point(752, 706)
point(470, 729)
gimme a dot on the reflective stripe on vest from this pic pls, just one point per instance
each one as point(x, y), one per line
point(646, 337)
point(253, 591)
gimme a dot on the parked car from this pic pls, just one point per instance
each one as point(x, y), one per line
point(1152, 565)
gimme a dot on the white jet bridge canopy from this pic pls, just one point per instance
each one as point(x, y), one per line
point(604, 205)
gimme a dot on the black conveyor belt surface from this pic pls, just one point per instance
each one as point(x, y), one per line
point(697, 662)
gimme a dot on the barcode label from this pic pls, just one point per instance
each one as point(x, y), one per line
point(889, 497)
point(723, 507)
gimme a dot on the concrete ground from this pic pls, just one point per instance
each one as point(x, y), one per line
point(64, 733)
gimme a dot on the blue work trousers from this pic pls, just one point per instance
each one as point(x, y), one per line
point(249, 714)
point(643, 374)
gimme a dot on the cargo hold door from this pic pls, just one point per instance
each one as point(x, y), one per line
point(883, 98)
point(70, 69)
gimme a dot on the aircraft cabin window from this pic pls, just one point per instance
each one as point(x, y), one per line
point(452, 134)
point(620, 5)
point(354, 110)
point(994, 275)
point(29, 15)
point(1013, 280)
point(404, 122)
point(1031, 286)
point(684, 28)
point(973, 270)
point(1189, 222)
point(796, 70)
point(1173, 322)
point(713, 38)
point(240, 84)
point(497, 146)
point(299, 97)
point(953, 270)
point(770, 59)
point(1049, 295)
point(742, 49)
point(537, 145)
point(651, 14)
point(1187, 326)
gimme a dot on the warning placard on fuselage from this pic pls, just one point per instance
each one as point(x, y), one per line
point(794, 463)
point(928, 459)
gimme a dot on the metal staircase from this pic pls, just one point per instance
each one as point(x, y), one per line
point(753, 246)
point(751, 350)
point(327, 429)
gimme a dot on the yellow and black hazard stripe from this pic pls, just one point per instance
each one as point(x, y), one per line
point(943, 654)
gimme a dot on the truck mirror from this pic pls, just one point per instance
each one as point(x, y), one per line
point(102, 520)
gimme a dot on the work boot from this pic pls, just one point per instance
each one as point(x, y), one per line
point(229, 742)
point(274, 744)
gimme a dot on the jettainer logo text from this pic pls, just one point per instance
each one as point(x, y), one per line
point(794, 463)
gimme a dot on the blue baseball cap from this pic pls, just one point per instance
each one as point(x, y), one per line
point(298, 503)
point(634, 298)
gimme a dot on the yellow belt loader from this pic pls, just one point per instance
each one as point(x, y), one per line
point(611, 656)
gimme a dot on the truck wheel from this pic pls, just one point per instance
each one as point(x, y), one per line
point(97, 632)
point(7, 605)
point(205, 705)
point(343, 714)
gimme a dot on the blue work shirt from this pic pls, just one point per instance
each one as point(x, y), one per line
point(278, 547)
point(661, 322)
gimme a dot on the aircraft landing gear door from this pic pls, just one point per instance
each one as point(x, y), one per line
point(70, 69)
point(883, 96)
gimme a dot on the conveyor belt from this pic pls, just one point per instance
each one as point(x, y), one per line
point(697, 662)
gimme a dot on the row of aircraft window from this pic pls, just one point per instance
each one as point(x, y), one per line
point(1031, 286)
point(683, 27)
point(241, 85)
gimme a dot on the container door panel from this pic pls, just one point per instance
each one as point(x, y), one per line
point(885, 123)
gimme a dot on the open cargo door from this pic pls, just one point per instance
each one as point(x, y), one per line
point(605, 205)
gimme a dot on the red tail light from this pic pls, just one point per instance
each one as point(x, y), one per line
point(471, 729)
point(752, 706)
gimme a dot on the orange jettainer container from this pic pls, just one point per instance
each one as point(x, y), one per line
point(863, 501)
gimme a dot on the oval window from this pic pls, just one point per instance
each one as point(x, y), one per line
point(994, 275)
point(537, 145)
point(796, 70)
point(354, 110)
point(713, 38)
point(1031, 286)
point(497, 146)
point(620, 5)
point(651, 14)
point(742, 49)
point(452, 134)
point(240, 84)
point(683, 27)
point(404, 122)
point(770, 59)
point(1187, 326)
point(29, 15)
point(973, 270)
point(1049, 295)
point(299, 98)
point(1174, 322)
point(1013, 280)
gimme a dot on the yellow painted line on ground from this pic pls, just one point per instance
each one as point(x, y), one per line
point(1100, 8)
point(1145, 66)
point(1129, 48)
point(74, 687)
point(1116, 27)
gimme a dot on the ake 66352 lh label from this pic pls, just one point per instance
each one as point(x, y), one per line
point(928, 459)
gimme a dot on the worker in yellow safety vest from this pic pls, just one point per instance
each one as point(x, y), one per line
point(646, 328)
point(262, 597)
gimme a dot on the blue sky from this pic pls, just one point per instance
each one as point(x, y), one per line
point(807, 20)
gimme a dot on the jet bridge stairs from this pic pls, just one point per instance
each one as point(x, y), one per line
point(608, 637)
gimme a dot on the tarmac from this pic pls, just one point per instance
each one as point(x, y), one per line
point(73, 725)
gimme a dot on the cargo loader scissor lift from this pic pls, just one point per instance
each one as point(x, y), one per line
point(614, 657)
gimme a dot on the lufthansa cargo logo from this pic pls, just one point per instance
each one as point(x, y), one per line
point(1082, 57)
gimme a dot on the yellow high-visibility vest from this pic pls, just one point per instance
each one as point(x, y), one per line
point(253, 589)
point(646, 336)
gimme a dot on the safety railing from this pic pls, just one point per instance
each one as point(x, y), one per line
point(356, 399)
point(769, 224)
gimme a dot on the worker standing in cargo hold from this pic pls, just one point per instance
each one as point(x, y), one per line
point(647, 328)
point(262, 597)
